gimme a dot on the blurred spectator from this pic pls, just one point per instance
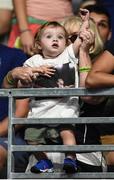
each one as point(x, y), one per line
point(31, 15)
point(6, 8)
point(102, 19)
point(9, 59)
point(72, 25)
point(109, 5)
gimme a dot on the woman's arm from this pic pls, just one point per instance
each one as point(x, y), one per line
point(84, 61)
point(84, 14)
point(85, 65)
point(100, 75)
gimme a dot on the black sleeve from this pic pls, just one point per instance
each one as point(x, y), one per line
point(110, 46)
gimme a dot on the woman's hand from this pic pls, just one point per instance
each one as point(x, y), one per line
point(88, 39)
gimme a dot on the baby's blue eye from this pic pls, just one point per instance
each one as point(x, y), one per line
point(49, 36)
point(61, 37)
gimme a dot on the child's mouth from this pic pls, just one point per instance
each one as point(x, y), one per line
point(55, 45)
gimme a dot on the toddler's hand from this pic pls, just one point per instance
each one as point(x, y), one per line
point(84, 14)
point(44, 70)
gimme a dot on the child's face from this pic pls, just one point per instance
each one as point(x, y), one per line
point(53, 41)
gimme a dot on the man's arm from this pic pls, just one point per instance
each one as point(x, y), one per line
point(100, 75)
point(20, 112)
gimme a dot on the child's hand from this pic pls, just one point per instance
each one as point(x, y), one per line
point(84, 14)
point(44, 70)
point(31, 74)
point(82, 36)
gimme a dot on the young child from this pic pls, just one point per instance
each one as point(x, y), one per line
point(51, 45)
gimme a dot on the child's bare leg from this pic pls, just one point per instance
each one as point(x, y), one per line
point(68, 138)
point(39, 155)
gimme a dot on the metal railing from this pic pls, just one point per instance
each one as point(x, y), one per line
point(13, 93)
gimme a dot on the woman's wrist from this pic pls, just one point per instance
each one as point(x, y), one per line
point(85, 61)
point(84, 49)
point(84, 69)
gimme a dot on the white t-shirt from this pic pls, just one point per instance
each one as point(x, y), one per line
point(66, 71)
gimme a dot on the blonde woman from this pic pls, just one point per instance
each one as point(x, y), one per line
point(73, 24)
point(88, 133)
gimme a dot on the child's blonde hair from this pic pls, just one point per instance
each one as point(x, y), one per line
point(75, 21)
point(40, 32)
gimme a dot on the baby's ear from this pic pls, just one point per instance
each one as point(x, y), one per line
point(37, 48)
point(37, 45)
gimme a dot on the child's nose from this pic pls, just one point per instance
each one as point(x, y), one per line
point(55, 39)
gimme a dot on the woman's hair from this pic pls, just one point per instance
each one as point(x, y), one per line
point(38, 35)
point(75, 22)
